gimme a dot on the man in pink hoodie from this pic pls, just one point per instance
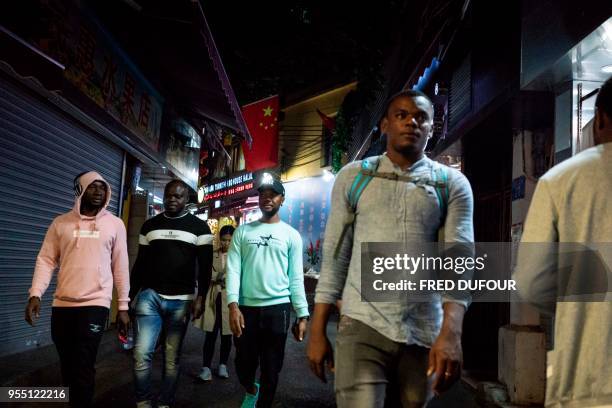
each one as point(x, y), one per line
point(88, 244)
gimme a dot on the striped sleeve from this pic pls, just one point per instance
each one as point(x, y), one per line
point(140, 265)
point(204, 247)
point(204, 239)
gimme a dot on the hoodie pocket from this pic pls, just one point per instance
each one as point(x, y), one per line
point(79, 283)
point(105, 278)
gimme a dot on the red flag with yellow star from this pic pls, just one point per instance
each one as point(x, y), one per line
point(261, 118)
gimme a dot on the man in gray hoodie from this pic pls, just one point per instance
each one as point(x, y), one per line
point(569, 206)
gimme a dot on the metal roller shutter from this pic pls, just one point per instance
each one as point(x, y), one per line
point(460, 94)
point(41, 151)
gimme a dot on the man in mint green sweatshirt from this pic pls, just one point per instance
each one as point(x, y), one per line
point(264, 277)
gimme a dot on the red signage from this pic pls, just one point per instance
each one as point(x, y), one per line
point(228, 192)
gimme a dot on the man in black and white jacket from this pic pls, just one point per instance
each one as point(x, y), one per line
point(164, 276)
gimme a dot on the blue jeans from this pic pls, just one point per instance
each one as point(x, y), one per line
point(152, 314)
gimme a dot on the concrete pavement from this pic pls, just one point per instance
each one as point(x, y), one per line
point(298, 387)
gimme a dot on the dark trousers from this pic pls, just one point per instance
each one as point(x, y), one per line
point(76, 332)
point(262, 343)
point(211, 339)
point(374, 371)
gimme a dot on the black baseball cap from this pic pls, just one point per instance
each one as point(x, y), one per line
point(269, 181)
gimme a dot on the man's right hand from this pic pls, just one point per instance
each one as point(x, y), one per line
point(32, 311)
point(236, 319)
point(320, 353)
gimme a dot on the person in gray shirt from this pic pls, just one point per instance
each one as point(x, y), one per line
point(568, 211)
point(391, 353)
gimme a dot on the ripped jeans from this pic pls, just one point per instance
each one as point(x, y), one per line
point(154, 313)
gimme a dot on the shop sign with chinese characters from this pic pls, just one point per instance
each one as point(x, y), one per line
point(229, 186)
point(99, 68)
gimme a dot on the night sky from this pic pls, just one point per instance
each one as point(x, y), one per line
point(296, 48)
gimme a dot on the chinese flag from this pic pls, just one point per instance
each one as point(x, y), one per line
point(329, 123)
point(261, 118)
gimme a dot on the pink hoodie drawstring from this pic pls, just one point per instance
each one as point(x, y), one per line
point(78, 230)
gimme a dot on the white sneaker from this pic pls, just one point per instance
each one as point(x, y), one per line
point(205, 374)
point(223, 371)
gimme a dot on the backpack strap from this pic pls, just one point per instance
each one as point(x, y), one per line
point(362, 179)
point(369, 167)
point(439, 177)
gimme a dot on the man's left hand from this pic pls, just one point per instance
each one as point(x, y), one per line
point(123, 322)
point(197, 308)
point(299, 328)
point(445, 358)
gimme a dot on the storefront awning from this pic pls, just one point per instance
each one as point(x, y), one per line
point(172, 44)
point(166, 46)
